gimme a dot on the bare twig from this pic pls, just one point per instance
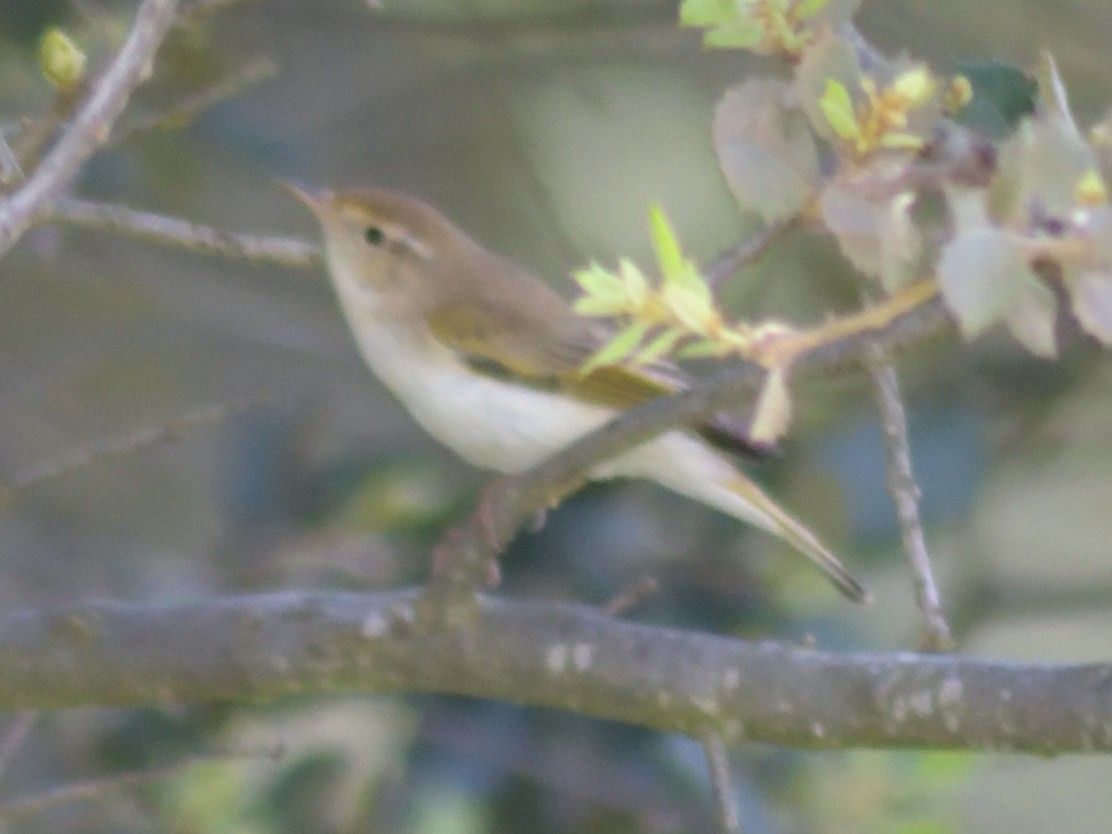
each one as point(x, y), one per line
point(140, 438)
point(15, 736)
point(174, 231)
point(10, 170)
point(93, 788)
point(184, 111)
point(722, 784)
point(905, 495)
point(746, 251)
point(92, 124)
point(631, 596)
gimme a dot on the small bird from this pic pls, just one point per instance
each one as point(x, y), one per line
point(487, 359)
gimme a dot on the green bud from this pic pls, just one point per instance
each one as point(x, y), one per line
point(61, 61)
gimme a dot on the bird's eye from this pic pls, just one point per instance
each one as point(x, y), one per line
point(374, 235)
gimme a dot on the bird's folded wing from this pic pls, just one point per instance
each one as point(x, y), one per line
point(548, 355)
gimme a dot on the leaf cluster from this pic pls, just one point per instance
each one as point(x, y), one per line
point(879, 155)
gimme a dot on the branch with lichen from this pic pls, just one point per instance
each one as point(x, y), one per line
point(253, 649)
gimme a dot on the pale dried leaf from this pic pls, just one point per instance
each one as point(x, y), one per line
point(1091, 298)
point(773, 413)
point(982, 274)
point(1032, 317)
point(765, 150)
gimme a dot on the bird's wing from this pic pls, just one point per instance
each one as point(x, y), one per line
point(547, 353)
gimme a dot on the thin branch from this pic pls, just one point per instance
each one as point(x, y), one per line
point(632, 595)
point(905, 495)
point(262, 648)
point(19, 809)
point(183, 112)
point(722, 784)
point(174, 231)
point(16, 734)
point(746, 251)
point(10, 170)
point(143, 437)
point(92, 124)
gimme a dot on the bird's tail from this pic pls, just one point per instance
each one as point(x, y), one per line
point(685, 464)
point(773, 518)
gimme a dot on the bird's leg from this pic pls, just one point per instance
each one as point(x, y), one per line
point(450, 560)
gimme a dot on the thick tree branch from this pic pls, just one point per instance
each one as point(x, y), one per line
point(261, 648)
point(92, 124)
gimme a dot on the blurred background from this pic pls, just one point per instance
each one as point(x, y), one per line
point(176, 426)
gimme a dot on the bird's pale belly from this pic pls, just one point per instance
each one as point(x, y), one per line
point(489, 422)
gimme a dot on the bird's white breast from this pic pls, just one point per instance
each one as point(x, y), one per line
point(508, 427)
point(491, 423)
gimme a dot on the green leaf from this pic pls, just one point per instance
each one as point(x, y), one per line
point(738, 34)
point(597, 306)
point(617, 349)
point(634, 285)
point(661, 345)
point(809, 8)
point(597, 280)
point(707, 12)
point(690, 302)
point(606, 292)
point(702, 349)
point(1002, 95)
point(829, 57)
point(668, 254)
point(837, 106)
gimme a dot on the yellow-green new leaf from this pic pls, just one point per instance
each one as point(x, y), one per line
point(597, 280)
point(837, 107)
point(668, 254)
point(605, 293)
point(618, 349)
point(707, 12)
point(704, 348)
point(691, 306)
point(809, 8)
point(661, 345)
point(634, 284)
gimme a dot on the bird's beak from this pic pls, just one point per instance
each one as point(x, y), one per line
point(316, 201)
